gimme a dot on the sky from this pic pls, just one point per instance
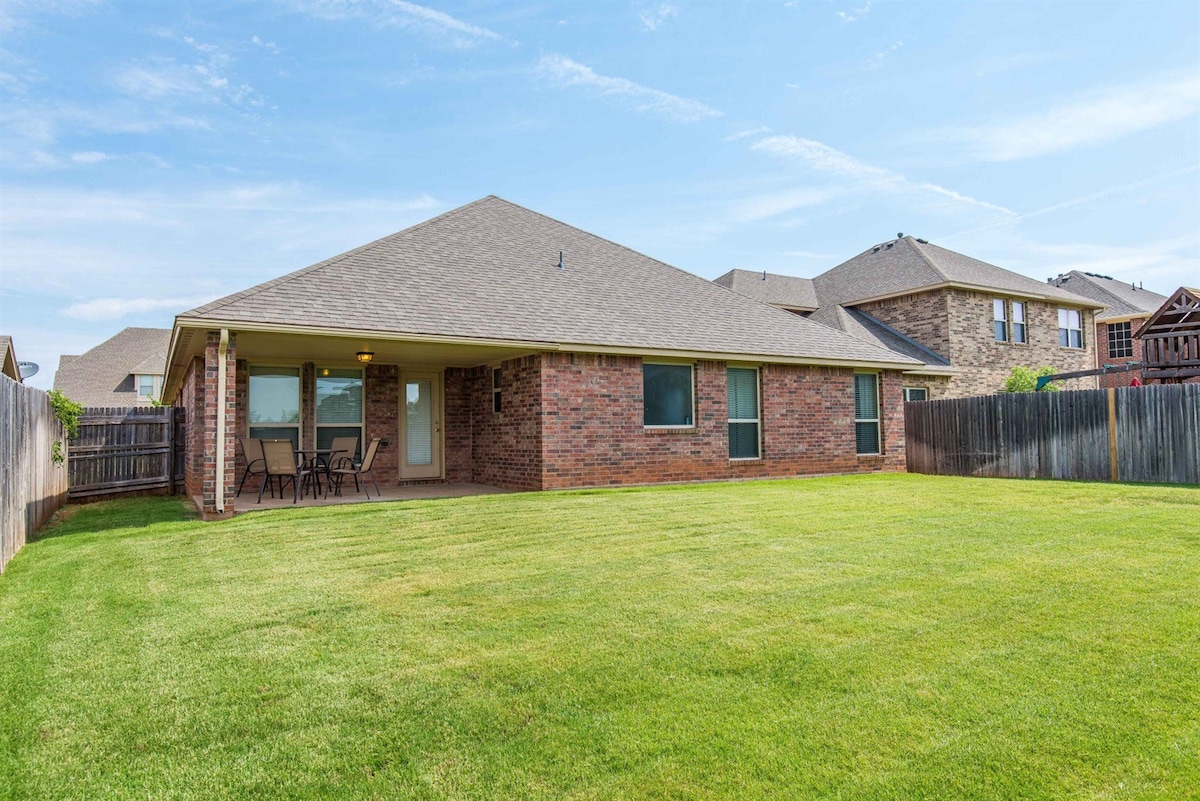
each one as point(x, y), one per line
point(154, 156)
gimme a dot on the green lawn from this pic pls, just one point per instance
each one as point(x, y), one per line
point(873, 637)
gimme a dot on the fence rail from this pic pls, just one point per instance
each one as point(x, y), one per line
point(1146, 434)
point(33, 485)
point(125, 450)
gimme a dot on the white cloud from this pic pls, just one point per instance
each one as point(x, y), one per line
point(116, 308)
point(270, 47)
point(563, 72)
point(401, 14)
point(89, 157)
point(854, 13)
point(747, 133)
point(876, 61)
point(822, 158)
point(761, 207)
point(653, 18)
point(1099, 116)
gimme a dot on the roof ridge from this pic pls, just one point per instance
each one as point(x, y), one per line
point(925, 258)
point(219, 303)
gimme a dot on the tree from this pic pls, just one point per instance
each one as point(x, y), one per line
point(1024, 379)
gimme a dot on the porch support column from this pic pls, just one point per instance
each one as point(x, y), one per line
point(220, 436)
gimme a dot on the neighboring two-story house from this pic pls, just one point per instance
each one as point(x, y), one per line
point(126, 370)
point(1126, 308)
point(968, 321)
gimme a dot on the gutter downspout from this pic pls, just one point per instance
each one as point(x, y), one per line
point(222, 381)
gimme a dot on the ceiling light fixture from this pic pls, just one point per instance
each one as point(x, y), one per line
point(365, 356)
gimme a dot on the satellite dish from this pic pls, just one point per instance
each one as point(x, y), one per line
point(27, 369)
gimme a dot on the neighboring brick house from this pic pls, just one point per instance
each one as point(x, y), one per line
point(125, 370)
point(479, 353)
point(1126, 308)
point(967, 321)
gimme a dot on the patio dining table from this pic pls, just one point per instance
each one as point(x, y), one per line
point(317, 459)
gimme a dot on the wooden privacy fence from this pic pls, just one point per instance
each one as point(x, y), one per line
point(1149, 434)
point(126, 450)
point(32, 486)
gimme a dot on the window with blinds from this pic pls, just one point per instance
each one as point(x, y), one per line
point(742, 384)
point(339, 406)
point(275, 403)
point(667, 395)
point(866, 413)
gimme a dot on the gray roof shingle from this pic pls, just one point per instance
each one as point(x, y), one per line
point(488, 270)
point(8, 359)
point(100, 377)
point(788, 291)
point(1120, 299)
point(907, 265)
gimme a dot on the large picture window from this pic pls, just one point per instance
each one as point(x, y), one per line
point(667, 395)
point(1120, 340)
point(742, 383)
point(339, 406)
point(275, 403)
point(866, 413)
point(1070, 330)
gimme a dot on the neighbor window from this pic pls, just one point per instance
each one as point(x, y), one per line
point(1070, 330)
point(339, 406)
point(1120, 340)
point(916, 394)
point(999, 320)
point(866, 413)
point(667, 395)
point(1018, 322)
point(742, 383)
point(496, 390)
point(275, 403)
point(149, 386)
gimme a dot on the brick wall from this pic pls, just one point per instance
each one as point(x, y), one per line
point(986, 363)
point(506, 448)
point(1105, 358)
point(594, 433)
point(209, 479)
point(459, 384)
point(191, 400)
point(381, 399)
point(923, 316)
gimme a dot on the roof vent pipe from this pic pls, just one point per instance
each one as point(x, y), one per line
point(560, 264)
point(764, 275)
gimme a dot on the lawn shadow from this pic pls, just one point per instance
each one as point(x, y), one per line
point(120, 513)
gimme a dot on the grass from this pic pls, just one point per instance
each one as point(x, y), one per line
point(875, 637)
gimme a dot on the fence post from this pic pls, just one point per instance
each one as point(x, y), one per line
point(1112, 431)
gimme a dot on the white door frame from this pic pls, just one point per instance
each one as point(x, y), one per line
point(437, 468)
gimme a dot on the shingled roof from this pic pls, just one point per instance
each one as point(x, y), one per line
point(785, 291)
point(490, 271)
point(906, 265)
point(103, 375)
point(8, 359)
point(1120, 299)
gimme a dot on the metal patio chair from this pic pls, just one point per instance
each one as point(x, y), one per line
point(281, 463)
point(256, 463)
point(363, 470)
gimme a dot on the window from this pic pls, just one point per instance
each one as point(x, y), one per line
point(866, 413)
point(667, 395)
point(275, 403)
point(339, 406)
point(1018, 322)
point(1120, 340)
point(916, 394)
point(999, 320)
point(742, 383)
point(496, 390)
point(149, 386)
point(1070, 330)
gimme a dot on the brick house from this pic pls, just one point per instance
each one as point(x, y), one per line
point(967, 321)
point(1127, 307)
point(495, 345)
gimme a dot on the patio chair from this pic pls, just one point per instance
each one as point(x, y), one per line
point(281, 463)
point(256, 463)
point(344, 449)
point(339, 473)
